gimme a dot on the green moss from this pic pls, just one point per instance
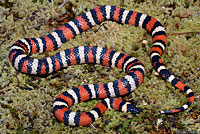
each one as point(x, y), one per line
point(34, 1)
point(187, 4)
point(1, 58)
point(6, 4)
point(26, 101)
point(150, 44)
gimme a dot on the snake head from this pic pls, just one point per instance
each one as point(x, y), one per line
point(133, 109)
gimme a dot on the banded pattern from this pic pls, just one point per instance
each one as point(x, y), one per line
point(134, 77)
point(20, 59)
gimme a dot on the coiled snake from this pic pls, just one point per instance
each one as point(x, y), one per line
point(22, 49)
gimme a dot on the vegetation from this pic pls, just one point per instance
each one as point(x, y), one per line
point(26, 101)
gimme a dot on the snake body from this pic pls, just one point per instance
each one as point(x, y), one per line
point(22, 49)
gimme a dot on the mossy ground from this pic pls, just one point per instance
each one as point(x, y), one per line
point(26, 101)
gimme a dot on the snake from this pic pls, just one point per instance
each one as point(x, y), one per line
point(21, 51)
